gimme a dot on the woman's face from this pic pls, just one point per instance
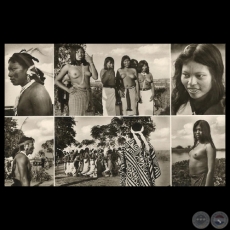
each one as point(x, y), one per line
point(126, 63)
point(196, 79)
point(109, 65)
point(144, 68)
point(17, 74)
point(198, 132)
point(80, 54)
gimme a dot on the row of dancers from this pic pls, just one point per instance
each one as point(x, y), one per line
point(92, 163)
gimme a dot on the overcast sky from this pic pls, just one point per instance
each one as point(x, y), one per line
point(157, 56)
point(182, 129)
point(45, 64)
point(39, 128)
point(160, 138)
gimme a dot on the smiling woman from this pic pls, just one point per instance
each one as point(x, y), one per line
point(198, 79)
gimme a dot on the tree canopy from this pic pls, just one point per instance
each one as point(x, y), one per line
point(64, 132)
point(12, 135)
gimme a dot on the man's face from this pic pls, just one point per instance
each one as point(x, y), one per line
point(29, 147)
point(17, 74)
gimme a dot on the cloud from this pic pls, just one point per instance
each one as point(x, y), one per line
point(48, 50)
point(47, 67)
point(99, 54)
point(46, 127)
point(119, 51)
point(220, 121)
point(173, 137)
point(154, 48)
point(161, 61)
point(86, 129)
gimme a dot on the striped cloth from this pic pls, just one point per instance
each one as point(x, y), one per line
point(78, 102)
point(139, 167)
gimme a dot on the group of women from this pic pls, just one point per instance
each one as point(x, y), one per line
point(132, 87)
point(198, 84)
point(92, 163)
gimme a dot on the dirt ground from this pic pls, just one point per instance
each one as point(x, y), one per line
point(63, 180)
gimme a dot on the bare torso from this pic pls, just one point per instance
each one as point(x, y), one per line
point(148, 80)
point(76, 76)
point(128, 76)
point(35, 101)
point(198, 162)
point(21, 166)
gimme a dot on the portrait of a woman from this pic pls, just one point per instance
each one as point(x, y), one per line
point(128, 87)
point(80, 70)
point(198, 81)
point(145, 79)
point(202, 155)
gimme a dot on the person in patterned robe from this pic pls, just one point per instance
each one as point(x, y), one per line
point(139, 165)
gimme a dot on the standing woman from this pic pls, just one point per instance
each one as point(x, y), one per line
point(128, 87)
point(202, 155)
point(145, 79)
point(108, 92)
point(198, 79)
point(34, 100)
point(80, 70)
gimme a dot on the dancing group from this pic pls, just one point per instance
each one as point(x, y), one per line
point(132, 87)
point(92, 163)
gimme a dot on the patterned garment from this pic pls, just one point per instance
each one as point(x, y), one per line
point(139, 167)
point(198, 179)
point(78, 102)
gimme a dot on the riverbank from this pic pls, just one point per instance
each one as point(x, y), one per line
point(180, 173)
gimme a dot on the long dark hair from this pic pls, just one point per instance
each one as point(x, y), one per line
point(205, 54)
point(141, 64)
point(206, 133)
point(122, 61)
point(108, 59)
point(74, 61)
point(132, 65)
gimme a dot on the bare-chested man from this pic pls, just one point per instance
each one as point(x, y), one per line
point(79, 71)
point(34, 100)
point(128, 86)
point(21, 170)
point(202, 156)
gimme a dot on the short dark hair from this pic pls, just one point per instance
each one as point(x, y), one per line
point(136, 126)
point(24, 139)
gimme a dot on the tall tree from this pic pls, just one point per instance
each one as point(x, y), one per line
point(12, 135)
point(64, 132)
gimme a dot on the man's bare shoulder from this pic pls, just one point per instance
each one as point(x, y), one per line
point(20, 157)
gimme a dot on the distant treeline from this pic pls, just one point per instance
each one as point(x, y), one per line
point(180, 150)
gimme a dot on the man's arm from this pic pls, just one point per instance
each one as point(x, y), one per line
point(22, 164)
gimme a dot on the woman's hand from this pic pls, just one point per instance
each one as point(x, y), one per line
point(151, 98)
point(72, 90)
point(137, 98)
point(88, 58)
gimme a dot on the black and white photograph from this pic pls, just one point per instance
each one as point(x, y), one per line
point(29, 151)
point(29, 80)
point(112, 151)
point(198, 79)
point(198, 151)
point(112, 79)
